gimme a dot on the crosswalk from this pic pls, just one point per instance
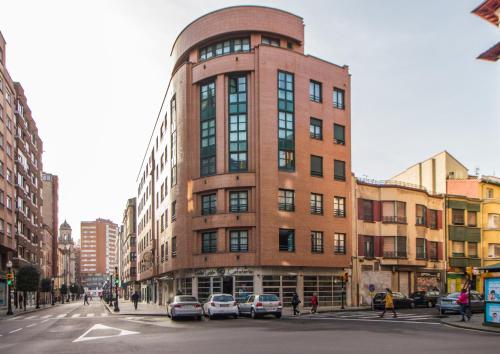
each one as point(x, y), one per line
point(373, 316)
point(59, 316)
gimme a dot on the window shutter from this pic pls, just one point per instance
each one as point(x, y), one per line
point(360, 209)
point(439, 219)
point(378, 245)
point(377, 210)
point(440, 251)
point(427, 217)
point(427, 249)
point(361, 248)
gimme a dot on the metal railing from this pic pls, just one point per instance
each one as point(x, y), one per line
point(339, 212)
point(316, 209)
point(394, 254)
point(286, 207)
point(395, 219)
point(394, 183)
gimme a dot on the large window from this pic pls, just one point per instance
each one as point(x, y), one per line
point(207, 127)
point(238, 138)
point(339, 170)
point(315, 91)
point(270, 41)
point(287, 240)
point(472, 249)
point(209, 204)
point(471, 218)
point(421, 254)
point(421, 217)
point(174, 246)
point(286, 200)
point(238, 202)
point(209, 242)
point(493, 221)
point(339, 243)
point(239, 241)
point(458, 248)
point(457, 217)
point(339, 207)
point(338, 98)
point(433, 219)
point(316, 129)
point(226, 47)
point(368, 210)
point(394, 247)
point(339, 134)
point(394, 212)
point(316, 166)
point(368, 244)
point(494, 250)
point(316, 203)
point(316, 242)
point(286, 124)
point(433, 251)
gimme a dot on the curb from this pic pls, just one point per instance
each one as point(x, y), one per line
point(28, 311)
point(138, 314)
point(455, 325)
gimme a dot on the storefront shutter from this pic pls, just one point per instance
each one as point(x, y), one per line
point(440, 251)
point(361, 248)
point(439, 219)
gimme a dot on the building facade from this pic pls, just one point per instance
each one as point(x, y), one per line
point(50, 214)
point(128, 253)
point(245, 184)
point(400, 239)
point(489, 10)
point(67, 248)
point(97, 252)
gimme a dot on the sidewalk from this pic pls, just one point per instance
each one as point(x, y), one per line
point(475, 323)
point(29, 309)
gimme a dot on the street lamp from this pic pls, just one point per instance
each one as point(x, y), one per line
point(9, 282)
point(117, 280)
point(52, 291)
point(110, 290)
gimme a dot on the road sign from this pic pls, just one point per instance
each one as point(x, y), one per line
point(371, 288)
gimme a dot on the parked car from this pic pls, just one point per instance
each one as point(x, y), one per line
point(184, 306)
point(425, 298)
point(400, 301)
point(448, 303)
point(220, 305)
point(260, 305)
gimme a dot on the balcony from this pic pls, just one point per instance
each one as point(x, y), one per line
point(339, 213)
point(463, 233)
point(316, 210)
point(462, 262)
point(286, 207)
point(394, 219)
point(395, 254)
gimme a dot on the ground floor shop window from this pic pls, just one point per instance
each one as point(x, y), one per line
point(243, 287)
point(328, 289)
point(282, 286)
point(185, 286)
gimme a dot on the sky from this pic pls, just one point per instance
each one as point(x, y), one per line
point(95, 73)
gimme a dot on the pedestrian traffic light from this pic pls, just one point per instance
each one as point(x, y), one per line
point(117, 281)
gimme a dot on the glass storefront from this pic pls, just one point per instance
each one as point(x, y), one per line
point(328, 289)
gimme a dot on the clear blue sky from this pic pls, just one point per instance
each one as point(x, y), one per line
point(95, 72)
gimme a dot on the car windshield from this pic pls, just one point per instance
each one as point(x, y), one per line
point(398, 295)
point(271, 297)
point(185, 299)
point(379, 296)
point(223, 298)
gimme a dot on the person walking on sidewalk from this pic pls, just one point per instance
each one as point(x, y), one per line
point(295, 304)
point(135, 299)
point(314, 303)
point(389, 303)
point(86, 300)
point(463, 301)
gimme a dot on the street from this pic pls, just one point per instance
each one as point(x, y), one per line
point(73, 328)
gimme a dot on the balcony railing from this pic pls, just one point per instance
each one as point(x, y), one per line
point(420, 220)
point(316, 210)
point(339, 212)
point(395, 254)
point(395, 219)
point(238, 208)
point(286, 207)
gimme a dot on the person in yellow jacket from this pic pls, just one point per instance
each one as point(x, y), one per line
point(389, 303)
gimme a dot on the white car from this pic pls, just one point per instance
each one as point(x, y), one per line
point(220, 305)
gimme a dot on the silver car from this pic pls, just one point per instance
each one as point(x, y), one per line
point(184, 306)
point(260, 305)
point(448, 303)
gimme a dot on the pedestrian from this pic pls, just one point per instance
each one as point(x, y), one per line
point(135, 299)
point(295, 304)
point(463, 301)
point(21, 302)
point(86, 300)
point(389, 303)
point(314, 303)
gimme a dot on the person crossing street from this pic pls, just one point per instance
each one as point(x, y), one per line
point(389, 304)
point(295, 304)
point(135, 299)
point(86, 300)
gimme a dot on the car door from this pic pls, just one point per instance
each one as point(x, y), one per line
point(476, 303)
point(246, 306)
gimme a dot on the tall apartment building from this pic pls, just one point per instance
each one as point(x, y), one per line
point(50, 215)
point(245, 184)
point(489, 10)
point(97, 251)
point(127, 244)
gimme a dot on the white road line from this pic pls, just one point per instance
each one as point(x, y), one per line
point(31, 317)
point(75, 315)
point(16, 330)
point(45, 320)
point(31, 325)
point(104, 314)
point(380, 320)
point(62, 315)
point(46, 316)
point(90, 315)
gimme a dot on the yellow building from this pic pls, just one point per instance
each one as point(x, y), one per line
point(490, 210)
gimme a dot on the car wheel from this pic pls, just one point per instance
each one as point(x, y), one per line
point(278, 315)
point(430, 304)
point(199, 318)
point(210, 315)
point(442, 312)
point(412, 305)
point(252, 314)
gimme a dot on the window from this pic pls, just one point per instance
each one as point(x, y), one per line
point(458, 248)
point(286, 123)
point(421, 248)
point(338, 98)
point(316, 203)
point(225, 47)
point(174, 216)
point(207, 128)
point(494, 250)
point(208, 204)
point(239, 241)
point(339, 170)
point(8, 149)
point(339, 243)
point(209, 242)
point(489, 191)
point(493, 221)
point(162, 253)
point(472, 249)
point(271, 41)
point(1, 141)
point(238, 139)
point(316, 166)
point(339, 206)
point(316, 242)
point(315, 91)
point(238, 201)
point(421, 217)
point(316, 129)
point(369, 246)
point(433, 251)
point(174, 246)
point(433, 219)
point(368, 210)
point(457, 216)
point(9, 202)
point(394, 212)
point(287, 240)
point(286, 200)
point(394, 247)
point(339, 134)
point(471, 218)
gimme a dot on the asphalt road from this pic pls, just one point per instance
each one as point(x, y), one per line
point(72, 328)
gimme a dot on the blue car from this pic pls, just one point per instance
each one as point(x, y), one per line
point(448, 303)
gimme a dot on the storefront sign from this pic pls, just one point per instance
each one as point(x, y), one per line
point(492, 298)
point(214, 272)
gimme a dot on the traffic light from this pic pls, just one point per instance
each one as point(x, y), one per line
point(346, 277)
point(10, 278)
point(117, 278)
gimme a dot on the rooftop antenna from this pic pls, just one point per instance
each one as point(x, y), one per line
point(477, 171)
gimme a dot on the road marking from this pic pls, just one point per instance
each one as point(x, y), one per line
point(75, 315)
point(134, 318)
point(123, 332)
point(104, 314)
point(45, 320)
point(16, 330)
point(46, 316)
point(62, 315)
point(29, 318)
point(374, 320)
point(90, 315)
point(31, 325)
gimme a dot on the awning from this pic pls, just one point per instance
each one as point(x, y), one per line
point(493, 267)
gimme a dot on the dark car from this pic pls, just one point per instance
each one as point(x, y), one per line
point(400, 301)
point(425, 298)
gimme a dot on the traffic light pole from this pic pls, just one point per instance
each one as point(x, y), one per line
point(9, 283)
point(117, 309)
point(342, 294)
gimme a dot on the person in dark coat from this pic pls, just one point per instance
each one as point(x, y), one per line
point(135, 299)
point(295, 304)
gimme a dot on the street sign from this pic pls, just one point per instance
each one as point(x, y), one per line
point(371, 288)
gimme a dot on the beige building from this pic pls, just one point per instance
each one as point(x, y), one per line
point(127, 250)
point(67, 247)
point(400, 239)
point(50, 214)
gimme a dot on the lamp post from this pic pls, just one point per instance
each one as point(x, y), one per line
point(110, 290)
point(117, 279)
point(9, 270)
point(52, 291)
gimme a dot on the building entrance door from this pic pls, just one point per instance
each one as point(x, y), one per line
point(227, 285)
